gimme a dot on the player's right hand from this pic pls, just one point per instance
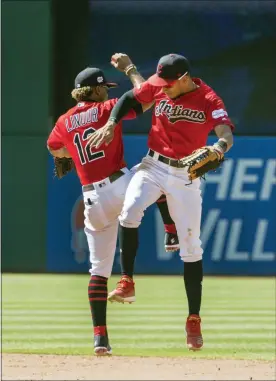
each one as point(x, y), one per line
point(103, 135)
point(120, 61)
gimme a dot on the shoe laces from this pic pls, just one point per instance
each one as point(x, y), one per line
point(124, 283)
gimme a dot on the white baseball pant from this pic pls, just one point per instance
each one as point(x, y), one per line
point(102, 208)
point(154, 178)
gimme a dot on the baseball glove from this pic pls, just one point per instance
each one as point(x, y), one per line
point(201, 161)
point(62, 166)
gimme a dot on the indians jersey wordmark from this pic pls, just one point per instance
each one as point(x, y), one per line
point(178, 112)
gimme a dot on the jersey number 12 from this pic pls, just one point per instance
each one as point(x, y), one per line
point(85, 153)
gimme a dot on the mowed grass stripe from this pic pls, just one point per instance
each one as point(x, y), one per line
point(209, 353)
point(233, 307)
point(82, 279)
point(129, 319)
point(87, 330)
point(162, 344)
point(11, 335)
point(149, 327)
point(238, 314)
point(207, 307)
point(116, 343)
point(176, 286)
point(236, 303)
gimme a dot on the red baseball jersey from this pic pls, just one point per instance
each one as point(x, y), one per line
point(72, 131)
point(182, 125)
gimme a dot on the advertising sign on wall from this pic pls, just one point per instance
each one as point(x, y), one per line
point(238, 230)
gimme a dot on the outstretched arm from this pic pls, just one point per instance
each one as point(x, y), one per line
point(123, 63)
point(140, 99)
point(123, 106)
point(105, 134)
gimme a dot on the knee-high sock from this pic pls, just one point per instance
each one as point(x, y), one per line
point(193, 276)
point(97, 294)
point(165, 214)
point(128, 238)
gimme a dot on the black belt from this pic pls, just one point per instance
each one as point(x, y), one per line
point(166, 160)
point(115, 176)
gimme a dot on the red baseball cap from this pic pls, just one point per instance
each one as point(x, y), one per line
point(169, 69)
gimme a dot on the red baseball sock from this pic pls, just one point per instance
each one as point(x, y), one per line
point(100, 330)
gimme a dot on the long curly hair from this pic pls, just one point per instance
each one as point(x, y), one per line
point(82, 94)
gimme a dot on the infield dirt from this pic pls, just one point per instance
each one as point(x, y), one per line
point(49, 367)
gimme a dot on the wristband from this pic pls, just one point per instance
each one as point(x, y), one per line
point(129, 67)
point(221, 145)
point(112, 119)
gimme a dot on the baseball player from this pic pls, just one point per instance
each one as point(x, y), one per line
point(104, 176)
point(123, 63)
point(186, 110)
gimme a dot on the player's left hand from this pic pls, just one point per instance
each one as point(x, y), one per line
point(103, 135)
point(120, 61)
point(202, 160)
point(62, 166)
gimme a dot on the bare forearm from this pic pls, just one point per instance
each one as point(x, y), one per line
point(137, 80)
point(134, 75)
point(123, 63)
point(225, 135)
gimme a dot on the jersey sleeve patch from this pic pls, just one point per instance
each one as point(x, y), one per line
point(220, 113)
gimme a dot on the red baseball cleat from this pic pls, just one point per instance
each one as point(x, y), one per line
point(124, 292)
point(194, 336)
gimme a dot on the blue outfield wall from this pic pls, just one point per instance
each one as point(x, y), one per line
point(238, 221)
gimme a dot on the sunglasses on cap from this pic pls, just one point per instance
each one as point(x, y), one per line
point(173, 82)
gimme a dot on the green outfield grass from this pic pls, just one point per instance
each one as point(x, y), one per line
point(50, 314)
